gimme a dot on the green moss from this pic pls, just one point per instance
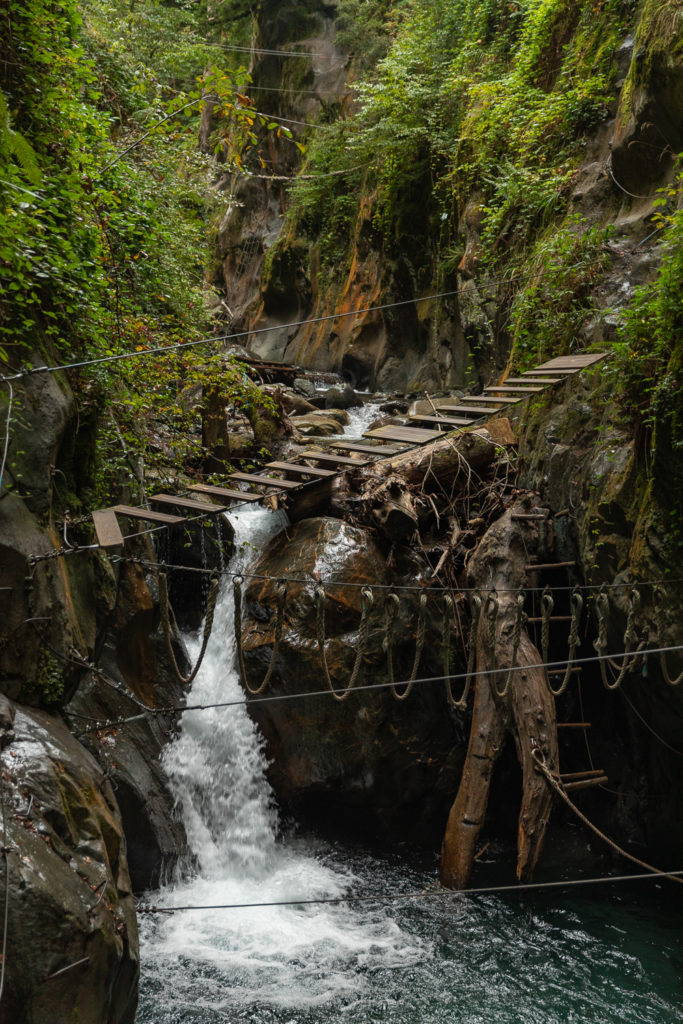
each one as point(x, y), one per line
point(49, 682)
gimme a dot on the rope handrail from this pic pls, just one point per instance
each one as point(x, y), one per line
point(166, 611)
point(671, 680)
point(557, 786)
point(630, 639)
point(363, 631)
point(573, 640)
point(279, 623)
point(99, 724)
point(475, 615)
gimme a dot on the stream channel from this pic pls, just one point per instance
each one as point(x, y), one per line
point(592, 956)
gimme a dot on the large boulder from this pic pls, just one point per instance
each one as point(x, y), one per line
point(72, 946)
point(383, 768)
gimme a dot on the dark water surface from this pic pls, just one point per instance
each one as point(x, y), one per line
point(605, 955)
point(588, 956)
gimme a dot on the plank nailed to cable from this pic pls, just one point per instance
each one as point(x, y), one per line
point(298, 470)
point(381, 450)
point(517, 388)
point(333, 460)
point(265, 481)
point(224, 492)
point(413, 435)
point(476, 410)
point(189, 503)
point(147, 516)
point(107, 528)
point(450, 421)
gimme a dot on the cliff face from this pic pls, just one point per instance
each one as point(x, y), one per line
point(512, 178)
point(524, 160)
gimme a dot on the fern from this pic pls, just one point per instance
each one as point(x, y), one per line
point(14, 145)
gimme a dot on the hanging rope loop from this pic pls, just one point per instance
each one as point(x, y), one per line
point(166, 613)
point(281, 592)
point(419, 647)
point(391, 607)
point(630, 639)
point(475, 616)
point(573, 640)
point(661, 628)
point(547, 605)
point(516, 640)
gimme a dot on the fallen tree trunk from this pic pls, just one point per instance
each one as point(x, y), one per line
point(519, 702)
point(394, 495)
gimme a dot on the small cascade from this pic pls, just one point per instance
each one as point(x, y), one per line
point(216, 960)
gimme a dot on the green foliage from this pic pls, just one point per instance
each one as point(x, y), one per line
point(472, 97)
point(648, 373)
point(105, 203)
point(555, 301)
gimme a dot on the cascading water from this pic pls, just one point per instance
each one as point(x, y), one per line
point(205, 962)
point(552, 958)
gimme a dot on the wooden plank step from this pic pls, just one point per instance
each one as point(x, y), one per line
point(542, 374)
point(454, 421)
point(586, 783)
point(412, 435)
point(296, 470)
point(382, 450)
point(517, 388)
point(578, 361)
point(474, 409)
point(189, 503)
point(488, 399)
point(224, 492)
point(336, 460)
point(264, 481)
point(107, 528)
point(574, 725)
point(146, 515)
point(534, 380)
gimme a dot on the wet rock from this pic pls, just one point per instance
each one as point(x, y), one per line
point(341, 398)
point(320, 424)
point(304, 386)
point(70, 903)
point(380, 767)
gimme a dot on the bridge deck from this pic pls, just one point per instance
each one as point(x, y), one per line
point(382, 443)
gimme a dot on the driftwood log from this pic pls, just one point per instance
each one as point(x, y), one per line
point(526, 709)
point(394, 495)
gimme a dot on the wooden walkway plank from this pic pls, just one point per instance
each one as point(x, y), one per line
point(488, 399)
point(298, 470)
point(464, 409)
point(529, 379)
point(517, 388)
point(107, 528)
point(336, 460)
point(412, 435)
point(579, 361)
point(264, 481)
point(152, 517)
point(190, 503)
point(454, 421)
point(382, 450)
point(224, 492)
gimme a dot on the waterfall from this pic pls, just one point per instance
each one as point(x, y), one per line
point(214, 961)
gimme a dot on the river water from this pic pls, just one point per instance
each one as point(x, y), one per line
point(592, 957)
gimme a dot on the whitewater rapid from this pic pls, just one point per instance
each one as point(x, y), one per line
point(203, 964)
